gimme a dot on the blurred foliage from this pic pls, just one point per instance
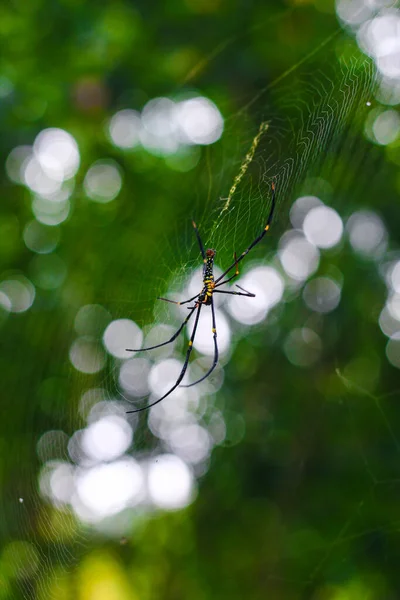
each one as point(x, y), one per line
point(305, 505)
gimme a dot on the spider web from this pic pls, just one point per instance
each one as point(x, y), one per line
point(307, 141)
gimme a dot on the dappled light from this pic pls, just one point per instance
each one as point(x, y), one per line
point(86, 355)
point(298, 256)
point(166, 126)
point(200, 300)
point(367, 233)
point(323, 227)
point(170, 482)
point(103, 181)
point(322, 294)
point(119, 334)
point(18, 293)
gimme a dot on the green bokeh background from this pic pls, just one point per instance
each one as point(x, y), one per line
point(306, 505)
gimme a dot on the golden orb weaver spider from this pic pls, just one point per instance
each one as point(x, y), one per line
point(205, 297)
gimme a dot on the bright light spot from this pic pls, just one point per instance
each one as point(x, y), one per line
point(323, 227)
point(49, 212)
point(217, 427)
point(166, 127)
point(393, 306)
point(134, 376)
point(386, 127)
point(164, 375)
point(301, 208)
point(191, 442)
point(121, 334)
point(198, 368)
point(107, 489)
point(395, 277)
point(368, 103)
point(103, 181)
point(200, 121)
point(100, 405)
point(20, 293)
point(159, 145)
point(86, 355)
point(57, 153)
point(56, 481)
point(299, 258)
point(389, 91)
point(60, 195)
point(249, 310)
point(124, 128)
point(37, 179)
point(177, 408)
point(389, 325)
point(388, 61)
point(158, 117)
point(74, 447)
point(353, 12)
point(303, 347)
point(380, 39)
point(170, 482)
point(267, 285)
point(16, 163)
point(393, 350)
point(5, 304)
point(107, 438)
point(93, 398)
point(52, 445)
point(204, 337)
point(62, 482)
point(159, 132)
point(367, 233)
point(322, 294)
point(157, 335)
point(39, 238)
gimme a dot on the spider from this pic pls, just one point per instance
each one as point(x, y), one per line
point(205, 298)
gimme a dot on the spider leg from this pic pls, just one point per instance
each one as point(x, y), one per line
point(248, 294)
point(203, 254)
point(233, 276)
point(167, 342)
point(175, 302)
point(183, 371)
point(215, 361)
point(258, 239)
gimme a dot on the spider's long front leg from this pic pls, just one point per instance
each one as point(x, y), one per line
point(233, 276)
point(184, 368)
point(215, 361)
point(167, 342)
point(256, 241)
point(203, 254)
